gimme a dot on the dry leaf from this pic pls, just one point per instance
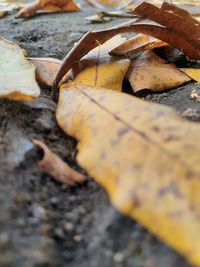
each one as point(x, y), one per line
point(57, 168)
point(148, 71)
point(145, 155)
point(105, 16)
point(99, 69)
point(7, 6)
point(98, 18)
point(170, 24)
point(46, 70)
point(194, 95)
point(39, 6)
point(192, 73)
point(137, 44)
point(17, 74)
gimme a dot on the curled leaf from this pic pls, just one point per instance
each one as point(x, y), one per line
point(146, 157)
point(137, 44)
point(57, 168)
point(17, 74)
point(50, 6)
point(46, 70)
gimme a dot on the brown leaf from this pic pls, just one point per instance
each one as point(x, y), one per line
point(37, 6)
point(170, 24)
point(57, 168)
point(148, 71)
point(137, 44)
point(46, 70)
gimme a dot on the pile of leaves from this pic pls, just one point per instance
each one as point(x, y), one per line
point(145, 155)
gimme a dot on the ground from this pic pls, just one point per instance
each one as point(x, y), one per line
point(44, 223)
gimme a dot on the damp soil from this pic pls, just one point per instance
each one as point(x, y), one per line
point(47, 224)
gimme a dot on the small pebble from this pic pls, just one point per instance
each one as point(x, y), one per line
point(77, 238)
point(118, 257)
point(69, 226)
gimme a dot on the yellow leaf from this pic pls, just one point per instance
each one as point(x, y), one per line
point(99, 69)
point(148, 71)
point(37, 6)
point(145, 155)
point(194, 74)
point(17, 74)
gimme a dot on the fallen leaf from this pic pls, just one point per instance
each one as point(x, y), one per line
point(169, 23)
point(7, 6)
point(146, 157)
point(57, 168)
point(106, 16)
point(46, 6)
point(148, 71)
point(99, 69)
point(137, 44)
point(194, 74)
point(98, 18)
point(194, 95)
point(17, 74)
point(46, 70)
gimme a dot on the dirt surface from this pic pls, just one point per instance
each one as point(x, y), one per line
point(44, 223)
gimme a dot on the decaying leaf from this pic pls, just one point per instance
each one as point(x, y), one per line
point(105, 16)
point(169, 23)
point(46, 70)
point(145, 155)
point(194, 95)
point(98, 18)
point(57, 168)
point(17, 74)
point(148, 71)
point(137, 44)
point(8, 6)
point(99, 69)
point(39, 6)
point(192, 73)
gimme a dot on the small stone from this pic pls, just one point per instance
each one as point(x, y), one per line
point(77, 238)
point(82, 210)
point(69, 227)
point(54, 200)
point(118, 257)
point(59, 233)
point(45, 228)
point(4, 240)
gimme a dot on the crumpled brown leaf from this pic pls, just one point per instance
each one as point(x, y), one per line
point(47, 6)
point(57, 168)
point(137, 44)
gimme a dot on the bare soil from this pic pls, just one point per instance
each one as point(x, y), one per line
point(47, 224)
